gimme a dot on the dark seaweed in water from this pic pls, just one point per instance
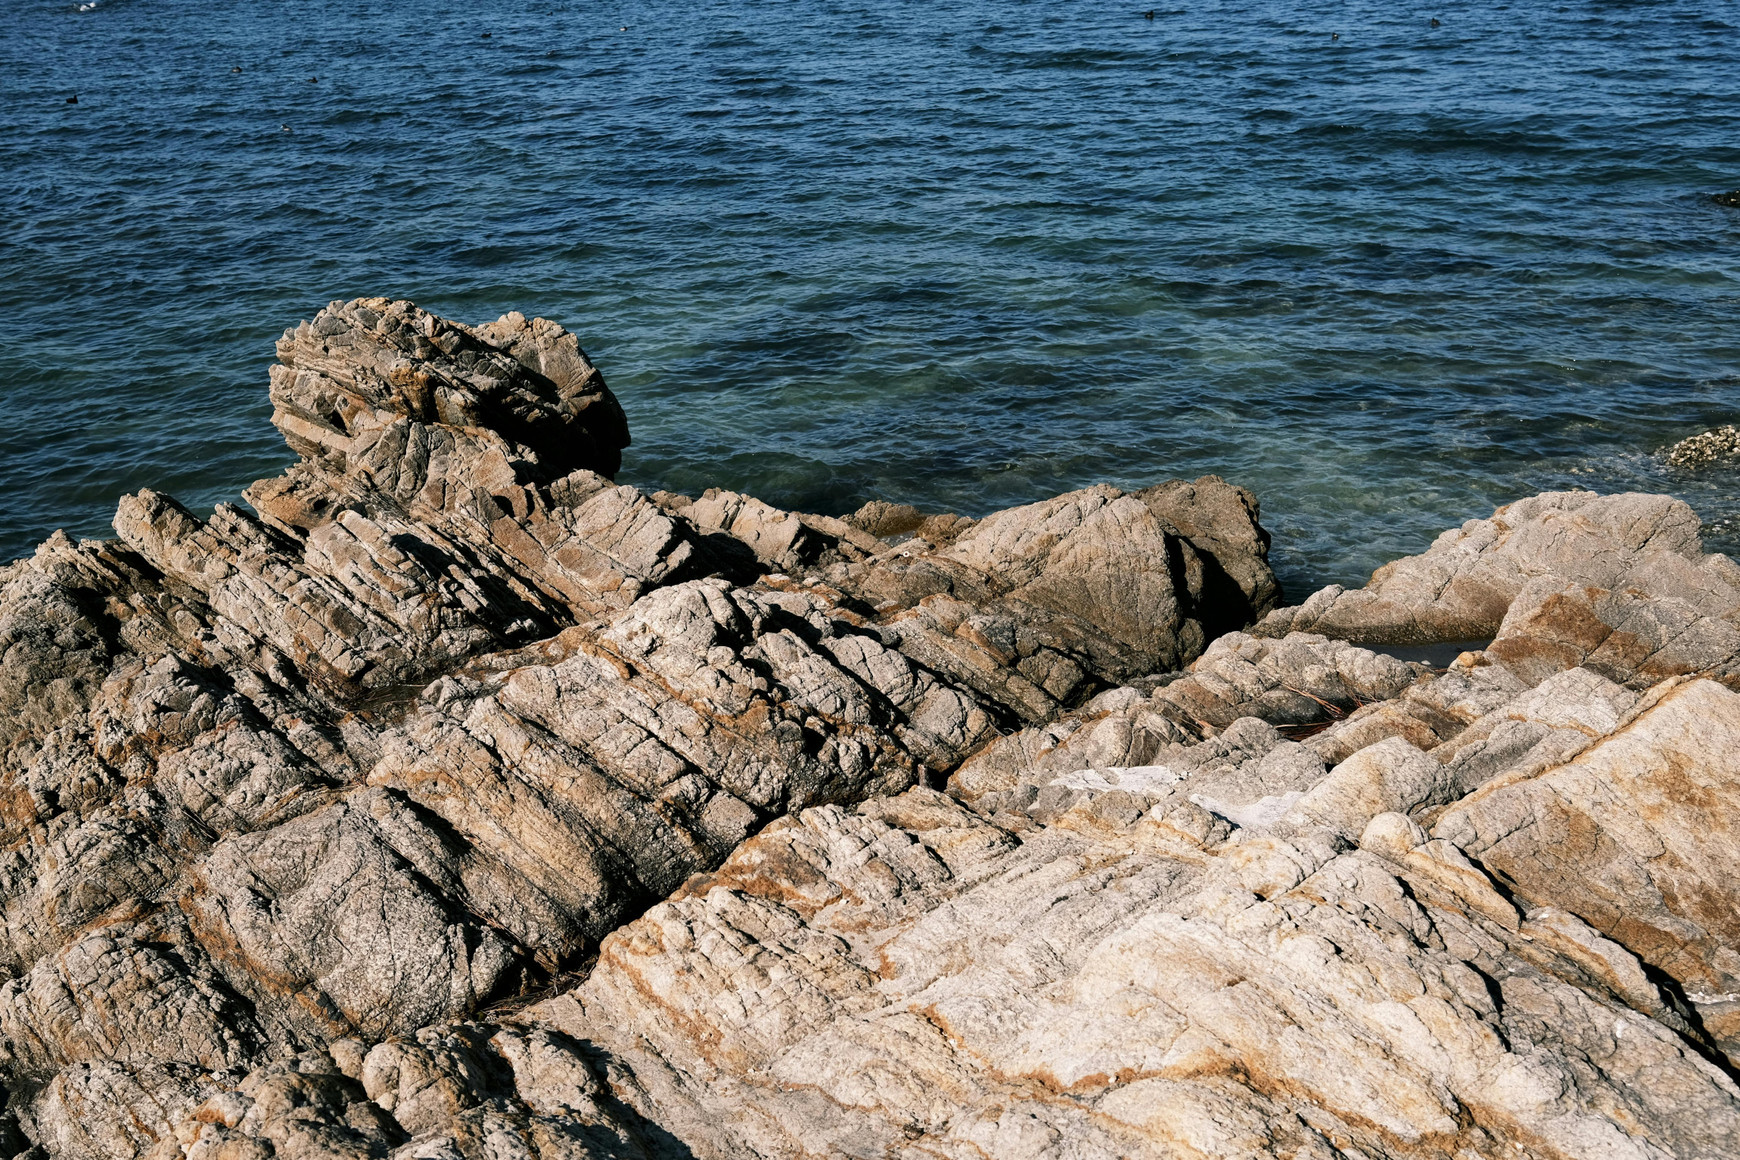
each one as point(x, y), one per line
point(943, 254)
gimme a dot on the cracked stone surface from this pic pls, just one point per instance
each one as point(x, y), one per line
point(455, 802)
point(1135, 969)
point(406, 737)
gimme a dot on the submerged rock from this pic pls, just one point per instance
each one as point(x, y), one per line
point(1720, 445)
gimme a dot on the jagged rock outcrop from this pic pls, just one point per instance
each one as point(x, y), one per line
point(1314, 971)
point(458, 802)
point(1303, 899)
point(448, 706)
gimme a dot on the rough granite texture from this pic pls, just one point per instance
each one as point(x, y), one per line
point(457, 802)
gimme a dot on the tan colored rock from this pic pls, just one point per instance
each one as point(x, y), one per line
point(1636, 837)
point(1462, 587)
point(1035, 607)
point(1300, 684)
point(1100, 991)
point(1669, 618)
point(359, 364)
point(1249, 954)
point(409, 740)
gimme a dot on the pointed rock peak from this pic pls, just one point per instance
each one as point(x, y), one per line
point(358, 366)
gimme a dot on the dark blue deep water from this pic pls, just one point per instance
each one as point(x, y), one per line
point(963, 254)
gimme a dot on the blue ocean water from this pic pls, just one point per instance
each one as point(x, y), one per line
point(958, 253)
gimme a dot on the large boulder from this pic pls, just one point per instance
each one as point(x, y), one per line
point(346, 378)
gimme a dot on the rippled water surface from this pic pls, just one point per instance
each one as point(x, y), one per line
point(957, 254)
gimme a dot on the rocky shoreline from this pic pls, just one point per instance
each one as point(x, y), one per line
point(456, 801)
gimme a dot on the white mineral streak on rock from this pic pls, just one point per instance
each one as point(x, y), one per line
point(1257, 815)
point(1133, 778)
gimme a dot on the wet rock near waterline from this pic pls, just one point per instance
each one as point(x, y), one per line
point(1461, 587)
point(1617, 583)
point(1709, 448)
point(350, 377)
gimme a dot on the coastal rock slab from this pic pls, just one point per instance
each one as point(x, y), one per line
point(1669, 617)
point(292, 795)
point(1461, 588)
point(907, 978)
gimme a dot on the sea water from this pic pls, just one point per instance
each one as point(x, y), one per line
point(958, 254)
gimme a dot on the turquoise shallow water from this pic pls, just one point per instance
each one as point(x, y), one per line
point(957, 254)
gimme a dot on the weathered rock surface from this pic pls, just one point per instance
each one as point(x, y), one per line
point(449, 706)
point(458, 802)
point(1250, 955)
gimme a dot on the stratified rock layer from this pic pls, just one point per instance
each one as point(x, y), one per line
point(462, 803)
point(1234, 951)
point(449, 706)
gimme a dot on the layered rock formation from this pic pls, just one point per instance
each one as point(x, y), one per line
point(448, 706)
point(458, 802)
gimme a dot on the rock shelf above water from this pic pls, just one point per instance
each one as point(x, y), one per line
point(456, 800)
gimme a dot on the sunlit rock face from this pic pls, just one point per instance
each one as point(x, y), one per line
point(295, 792)
point(458, 802)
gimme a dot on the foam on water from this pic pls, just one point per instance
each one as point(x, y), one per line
point(960, 254)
